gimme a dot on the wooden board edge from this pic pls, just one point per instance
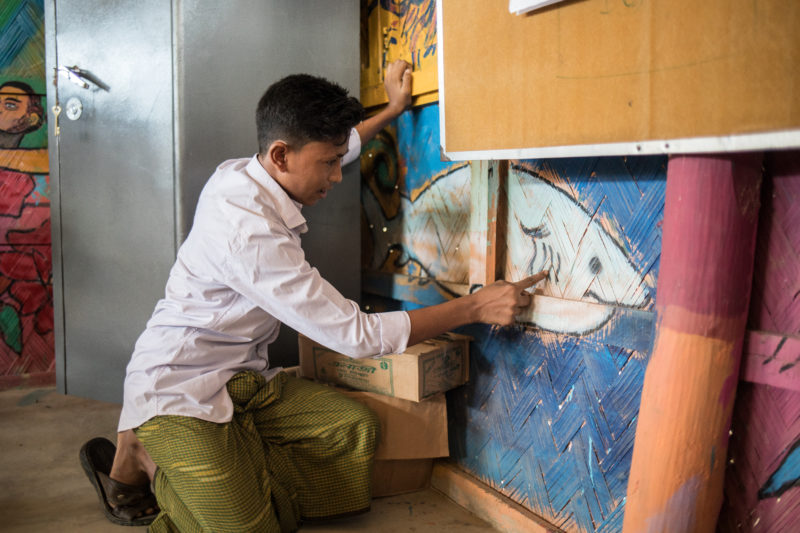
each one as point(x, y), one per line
point(499, 511)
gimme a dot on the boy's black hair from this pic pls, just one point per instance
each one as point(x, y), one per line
point(301, 108)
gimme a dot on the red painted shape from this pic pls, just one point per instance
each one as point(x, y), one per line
point(18, 266)
point(31, 228)
point(32, 295)
point(14, 187)
point(697, 227)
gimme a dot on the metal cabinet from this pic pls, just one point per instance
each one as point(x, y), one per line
point(153, 96)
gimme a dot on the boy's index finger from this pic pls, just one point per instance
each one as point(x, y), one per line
point(530, 281)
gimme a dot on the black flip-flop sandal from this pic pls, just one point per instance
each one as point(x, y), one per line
point(131, 501)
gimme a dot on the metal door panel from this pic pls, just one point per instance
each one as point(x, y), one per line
point(115, 183)
point(183, 81)
point(227, 54)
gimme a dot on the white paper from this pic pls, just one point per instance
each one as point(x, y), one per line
point(519, 7)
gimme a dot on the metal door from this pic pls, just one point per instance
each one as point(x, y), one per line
point(112, 180)
point(165, 92)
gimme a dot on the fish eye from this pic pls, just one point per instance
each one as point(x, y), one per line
point(594, 265)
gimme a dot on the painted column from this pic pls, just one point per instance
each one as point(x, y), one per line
point(703, 295)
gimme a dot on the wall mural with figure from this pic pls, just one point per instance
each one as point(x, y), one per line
point(549, 414)
point(26, 310)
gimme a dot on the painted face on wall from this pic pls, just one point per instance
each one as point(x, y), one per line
point(15, 116)
point(313, 170)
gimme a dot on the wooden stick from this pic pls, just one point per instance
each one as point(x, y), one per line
point(487, 221)
point(679, 455)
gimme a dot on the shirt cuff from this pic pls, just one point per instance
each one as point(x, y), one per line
point(395, 330)
point(353, 147)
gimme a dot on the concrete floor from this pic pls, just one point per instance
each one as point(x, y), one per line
point(46, 490)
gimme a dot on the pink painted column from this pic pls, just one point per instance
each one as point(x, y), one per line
point(710, 220)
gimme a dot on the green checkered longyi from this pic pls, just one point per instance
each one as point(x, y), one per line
point(295, 450)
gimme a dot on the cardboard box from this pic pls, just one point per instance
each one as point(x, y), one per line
point(412, 434)
point(425, 369)
point(393, 477)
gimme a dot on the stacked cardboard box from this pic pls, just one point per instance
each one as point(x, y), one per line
point(427, 368)
point(406, 391)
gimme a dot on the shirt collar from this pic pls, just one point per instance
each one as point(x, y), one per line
point(288, 209)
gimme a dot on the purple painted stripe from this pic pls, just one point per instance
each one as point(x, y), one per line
point(771, 359)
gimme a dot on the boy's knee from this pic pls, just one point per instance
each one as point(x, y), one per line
point(368, 423)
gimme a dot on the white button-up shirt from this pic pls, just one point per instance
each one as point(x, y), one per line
point(239, 274)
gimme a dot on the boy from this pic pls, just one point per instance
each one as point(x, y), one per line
point(228, 443)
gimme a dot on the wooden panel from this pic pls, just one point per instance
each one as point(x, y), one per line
point(776, 283)
point(26, 306)
point(503, 514)
point(594, 224)
point(771, 359)
point(548, 416)
point(613, 71)
point(393, 30)
point(763, 473)
point(762, 481)
point(488, 207)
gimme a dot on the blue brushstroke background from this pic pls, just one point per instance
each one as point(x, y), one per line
point(550, 419)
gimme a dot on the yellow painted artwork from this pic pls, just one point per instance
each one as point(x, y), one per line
point(398, 29)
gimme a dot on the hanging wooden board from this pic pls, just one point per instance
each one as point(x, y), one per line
point(603, 77)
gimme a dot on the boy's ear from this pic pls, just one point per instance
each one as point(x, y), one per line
point(276, 154)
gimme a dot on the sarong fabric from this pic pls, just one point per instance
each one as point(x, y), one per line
point(295, 450)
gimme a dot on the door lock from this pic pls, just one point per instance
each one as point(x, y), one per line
point(74, 108)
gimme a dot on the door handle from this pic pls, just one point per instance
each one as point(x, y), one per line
point(81, 78)
point(75, 75)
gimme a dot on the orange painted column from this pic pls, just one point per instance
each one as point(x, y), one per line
point(702, 299)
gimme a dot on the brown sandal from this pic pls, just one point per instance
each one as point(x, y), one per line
point(123, 504)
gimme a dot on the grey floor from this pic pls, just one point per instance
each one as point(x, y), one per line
point(45, 489)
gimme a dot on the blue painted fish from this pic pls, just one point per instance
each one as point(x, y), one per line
point(590, 272)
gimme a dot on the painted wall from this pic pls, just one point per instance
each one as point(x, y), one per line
point(26, 310)
point(762, 481)
point(549, 415)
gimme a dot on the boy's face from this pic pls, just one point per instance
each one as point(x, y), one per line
point(14, 110)
point(313, 170)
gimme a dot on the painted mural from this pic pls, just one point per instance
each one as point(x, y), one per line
point(551, 227)
point(549, 415)
point(398, 29)
point(762, 481)
point(416, 206)
point(26, 310)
